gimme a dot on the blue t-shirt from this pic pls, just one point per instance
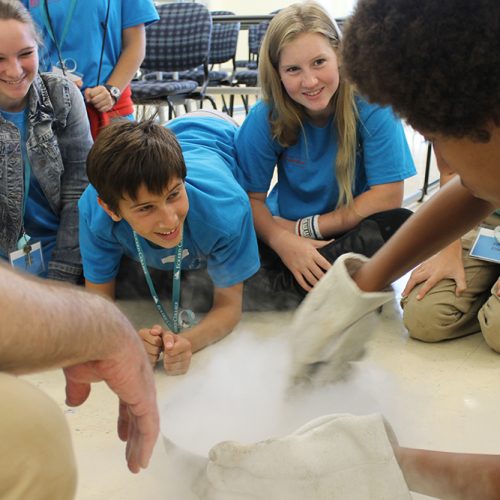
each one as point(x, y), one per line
point(83, 41)
point(306, 171)
point(218, 230)
point(40, 222)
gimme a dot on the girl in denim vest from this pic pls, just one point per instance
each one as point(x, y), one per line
point(44, 140)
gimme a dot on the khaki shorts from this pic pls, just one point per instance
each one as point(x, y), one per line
point(36, 455)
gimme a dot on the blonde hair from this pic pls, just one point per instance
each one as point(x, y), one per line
point(15, 10)
point(287, 116)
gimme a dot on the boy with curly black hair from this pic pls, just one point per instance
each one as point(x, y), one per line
point(438, 65)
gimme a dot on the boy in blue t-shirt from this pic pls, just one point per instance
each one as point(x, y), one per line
point(167, 198)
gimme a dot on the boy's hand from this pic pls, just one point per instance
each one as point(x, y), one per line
point(177, 353)
point(153, 343)
point(447, 264)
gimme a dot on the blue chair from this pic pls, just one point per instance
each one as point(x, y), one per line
point(179, 41)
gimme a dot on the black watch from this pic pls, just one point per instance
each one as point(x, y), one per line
point(114, 92)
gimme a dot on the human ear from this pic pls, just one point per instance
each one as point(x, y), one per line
point(111, 213)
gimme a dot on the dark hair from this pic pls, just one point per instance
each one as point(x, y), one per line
point(437, 62)
point(127, 155)
point(15, 10)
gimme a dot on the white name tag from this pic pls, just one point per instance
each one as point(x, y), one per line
point(486, 246)
point(28, 259)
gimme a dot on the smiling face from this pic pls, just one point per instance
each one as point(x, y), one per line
point(477, 163)
point(158, 218)
point(309, 71)
point(18, 63)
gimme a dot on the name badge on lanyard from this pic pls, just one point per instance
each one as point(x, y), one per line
point(28, 258)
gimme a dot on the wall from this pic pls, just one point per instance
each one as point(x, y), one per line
point(338, 8)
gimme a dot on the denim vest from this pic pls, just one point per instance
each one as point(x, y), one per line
point(57, 146)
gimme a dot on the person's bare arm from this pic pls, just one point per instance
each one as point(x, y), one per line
point(220, 320)
point(106, 289)
point(445, 217)
point(49, 326)
point(450, 476)
point(46, 325)
point(131, 57)
point(447, 263)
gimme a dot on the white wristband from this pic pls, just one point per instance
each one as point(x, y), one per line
point(315, 221)
point(297, 227)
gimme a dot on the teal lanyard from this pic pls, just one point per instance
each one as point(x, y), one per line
point(172, 324)
point(27, 180)
point(48, 24)
point(23, 240)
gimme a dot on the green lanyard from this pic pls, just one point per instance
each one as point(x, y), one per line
point(172, 324)
point(48, 24)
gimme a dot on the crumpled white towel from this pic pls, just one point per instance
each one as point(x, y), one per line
point(332, 325)
point(334, 457)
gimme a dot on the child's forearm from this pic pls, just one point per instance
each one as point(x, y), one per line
point(219, 321)
point(445, 217)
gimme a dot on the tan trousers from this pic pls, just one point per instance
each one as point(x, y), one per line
point(441, 315)
point(36, 455)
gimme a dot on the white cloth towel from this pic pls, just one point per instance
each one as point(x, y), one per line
point(332, 325)
point(334, 457)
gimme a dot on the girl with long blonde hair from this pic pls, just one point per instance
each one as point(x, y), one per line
point(341, 162)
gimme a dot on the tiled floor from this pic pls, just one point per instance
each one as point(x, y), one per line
point(442, 396)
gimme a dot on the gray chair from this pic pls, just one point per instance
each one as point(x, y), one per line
point(223, 44)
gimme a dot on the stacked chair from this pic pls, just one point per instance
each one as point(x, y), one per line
point(179, 41)
point(250, 75)
point(223, 43)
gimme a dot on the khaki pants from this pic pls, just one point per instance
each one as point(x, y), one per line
point(36, 455)
point(441, 315)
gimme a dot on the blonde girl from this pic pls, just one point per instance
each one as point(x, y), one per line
point(341, 162)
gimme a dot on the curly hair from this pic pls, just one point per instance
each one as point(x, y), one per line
point(436, 62)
